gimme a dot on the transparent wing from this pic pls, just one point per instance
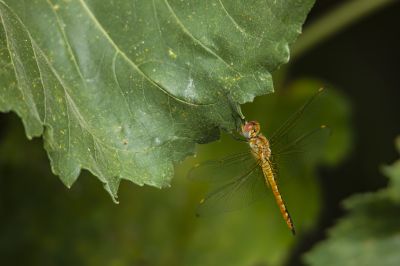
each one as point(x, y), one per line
point(220, 171)
point(302, 149)
point(238, 193)
point(302, 142)
point(281, 134)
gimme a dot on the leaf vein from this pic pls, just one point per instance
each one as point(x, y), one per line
point(69, 119)
point(133, 64)
point(187, 32)
point(232, 19)
point(42, 82)
point(67, 44)
point(19, 87)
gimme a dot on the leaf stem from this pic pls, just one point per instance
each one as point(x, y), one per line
point(330, 24)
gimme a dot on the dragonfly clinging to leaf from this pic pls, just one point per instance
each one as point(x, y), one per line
point(243, 177)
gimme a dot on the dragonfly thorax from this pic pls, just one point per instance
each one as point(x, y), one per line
point(260, 146)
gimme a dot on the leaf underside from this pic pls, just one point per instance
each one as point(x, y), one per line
point(126, 88)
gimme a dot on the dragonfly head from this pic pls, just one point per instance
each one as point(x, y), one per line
point(250, 129)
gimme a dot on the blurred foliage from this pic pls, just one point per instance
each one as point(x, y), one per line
point(370, 233)
point(47, 224)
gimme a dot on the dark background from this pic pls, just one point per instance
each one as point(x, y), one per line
point(362, 61)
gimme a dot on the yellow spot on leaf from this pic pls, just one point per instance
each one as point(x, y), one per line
point(172, 54)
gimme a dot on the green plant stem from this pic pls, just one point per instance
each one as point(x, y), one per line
point(333, 22)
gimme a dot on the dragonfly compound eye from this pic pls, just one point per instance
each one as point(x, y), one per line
point(251, 129)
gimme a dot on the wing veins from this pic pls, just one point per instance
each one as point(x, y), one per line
point(292, 120)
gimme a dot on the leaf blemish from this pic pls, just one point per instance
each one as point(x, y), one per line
point(172, 54)
point(190, 91)
point(157, 141)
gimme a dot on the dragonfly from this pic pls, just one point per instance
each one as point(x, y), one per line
point(242, 178)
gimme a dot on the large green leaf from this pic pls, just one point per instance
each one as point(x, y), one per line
point(125, 88)
point(370, 233)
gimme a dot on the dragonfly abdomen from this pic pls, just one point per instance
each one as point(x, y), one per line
point(270, 179)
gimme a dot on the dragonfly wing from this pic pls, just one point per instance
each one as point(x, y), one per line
point(303, 142)
point(305, 147)
point(282, 132)
point(242, 191)
point(220, 171)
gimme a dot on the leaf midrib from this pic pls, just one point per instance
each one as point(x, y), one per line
point(133, 64)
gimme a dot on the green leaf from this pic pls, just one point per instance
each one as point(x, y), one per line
point(126, 88)
point(369, 234)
